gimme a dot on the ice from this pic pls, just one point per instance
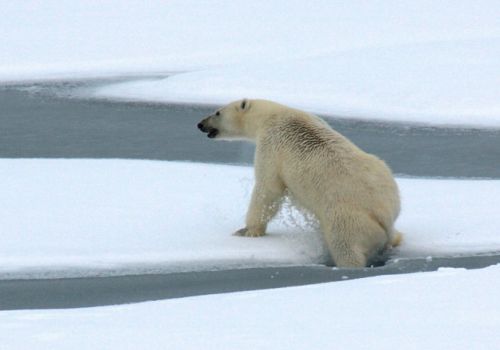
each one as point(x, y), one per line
point(446, 83)
point(111, 217)
point(410, 61)
point(452, 308)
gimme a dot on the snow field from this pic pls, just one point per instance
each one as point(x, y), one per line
point(54, 39)
point(105, 217)
point(453, 308)
point(445, 83)
point(409, 61)
point(425, 62)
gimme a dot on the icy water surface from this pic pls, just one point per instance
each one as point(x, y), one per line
point(85, 292)
point(41, 121)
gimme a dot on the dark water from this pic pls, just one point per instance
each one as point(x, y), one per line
point(41, 124)
point(37, 122)
point(85, 292)
point(41, 120)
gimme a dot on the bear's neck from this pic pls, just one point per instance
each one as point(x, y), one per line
point(254, 124)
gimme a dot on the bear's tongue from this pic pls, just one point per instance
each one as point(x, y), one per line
point(212, 133)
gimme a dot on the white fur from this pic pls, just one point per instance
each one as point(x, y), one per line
point(352, 193)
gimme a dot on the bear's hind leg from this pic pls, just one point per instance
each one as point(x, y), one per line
point(354, 240)
point(347, 257)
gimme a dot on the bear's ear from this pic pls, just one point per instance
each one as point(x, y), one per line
point(245, 105)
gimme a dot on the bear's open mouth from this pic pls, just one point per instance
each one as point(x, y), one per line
point(212, 132)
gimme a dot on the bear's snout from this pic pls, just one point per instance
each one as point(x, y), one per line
point(212, 132)
point(202, 125)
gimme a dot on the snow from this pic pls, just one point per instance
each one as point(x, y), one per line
point(407, 61)
point(448, 83)
point(62, 218)
point(411, 61)
point(89, 38)
point(449, 308)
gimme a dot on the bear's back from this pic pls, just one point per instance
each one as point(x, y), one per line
point(324, 164)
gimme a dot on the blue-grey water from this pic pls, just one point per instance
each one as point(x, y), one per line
point(40, 121)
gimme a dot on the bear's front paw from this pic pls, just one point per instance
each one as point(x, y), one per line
point(248, 232)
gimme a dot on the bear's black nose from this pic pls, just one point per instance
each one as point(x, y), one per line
point(200, 126)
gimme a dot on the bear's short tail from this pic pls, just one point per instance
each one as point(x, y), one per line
point(396, 239)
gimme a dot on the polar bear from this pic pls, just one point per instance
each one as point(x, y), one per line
point(352, 193)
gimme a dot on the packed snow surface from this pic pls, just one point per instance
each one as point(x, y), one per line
point(102, 217)
point(51, 39)
point(450, 308)
point(411, 61)
point(419, 61)
point(446, 83)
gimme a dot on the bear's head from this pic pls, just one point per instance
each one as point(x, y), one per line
point(227, 123)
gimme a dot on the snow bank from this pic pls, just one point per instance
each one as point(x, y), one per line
point(449, 308)
point(55, 39)
point(421, 61)
point(102, 217)
point(446, 83)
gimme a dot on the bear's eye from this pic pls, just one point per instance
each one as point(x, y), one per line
point(218, 113)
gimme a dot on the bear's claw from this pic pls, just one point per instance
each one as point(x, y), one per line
point(245, 232)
